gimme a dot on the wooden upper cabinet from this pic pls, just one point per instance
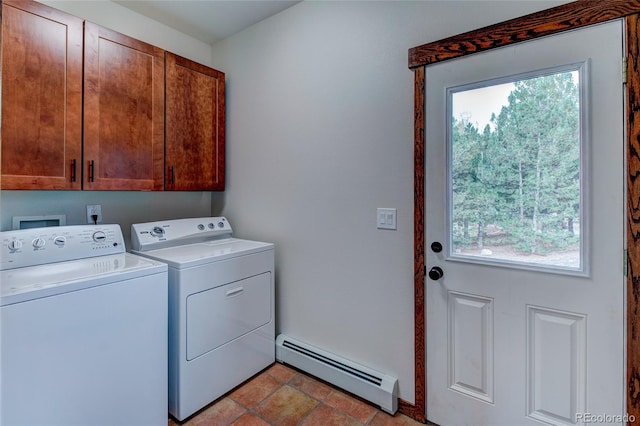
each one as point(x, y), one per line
point(123, 112)
point(98, 122)
point(41, 97)
point(195, 126)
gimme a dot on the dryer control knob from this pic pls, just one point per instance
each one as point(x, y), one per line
point(157, 231)
point(99, 236)
point(59, 241)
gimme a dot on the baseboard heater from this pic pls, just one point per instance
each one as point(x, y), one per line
point(378, 388)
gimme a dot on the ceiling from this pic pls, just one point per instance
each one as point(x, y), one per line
point(208, 20)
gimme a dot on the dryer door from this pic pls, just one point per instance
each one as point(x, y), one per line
point(219, 315)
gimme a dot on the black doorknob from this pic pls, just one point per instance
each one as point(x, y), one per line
point(436, 273)
point(436, 247)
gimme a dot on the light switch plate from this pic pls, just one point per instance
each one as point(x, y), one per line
point(387, 218)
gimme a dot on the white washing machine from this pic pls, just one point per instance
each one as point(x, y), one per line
point(83, 329)
point(221, 306)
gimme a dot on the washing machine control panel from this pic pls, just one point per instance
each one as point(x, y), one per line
point(37, 246)
point(156, 235)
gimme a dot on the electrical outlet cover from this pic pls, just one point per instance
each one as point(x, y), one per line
point(94, 209)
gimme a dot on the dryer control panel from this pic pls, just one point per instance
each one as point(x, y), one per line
point(170, 233)
point(38, 246)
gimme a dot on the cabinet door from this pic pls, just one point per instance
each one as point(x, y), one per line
point(195, 119)
point(41, 97)
point(123, 112)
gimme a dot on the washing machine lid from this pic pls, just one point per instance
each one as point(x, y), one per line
point(34, 282)
point(190, 255)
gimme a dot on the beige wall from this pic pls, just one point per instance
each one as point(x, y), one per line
point(320, 134)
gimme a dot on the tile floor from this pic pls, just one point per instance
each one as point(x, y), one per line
point(283, 396)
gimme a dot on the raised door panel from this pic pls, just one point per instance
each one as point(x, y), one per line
point(195, 131)
point(123, 112)
point(41, 97)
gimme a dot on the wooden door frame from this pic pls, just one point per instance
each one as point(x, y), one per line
point(566, 17)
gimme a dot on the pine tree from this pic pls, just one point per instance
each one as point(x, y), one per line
point(524, 175)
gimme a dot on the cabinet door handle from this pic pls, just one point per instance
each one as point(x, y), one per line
point(91, 167)
point(172, 176)
point(73, 170)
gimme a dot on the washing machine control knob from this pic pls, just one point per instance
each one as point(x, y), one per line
point(201, 227)
point(15, 245)
point(99, 236)
point(157, 231)
point(60, 241)
point(211, 225)
point(38, 242)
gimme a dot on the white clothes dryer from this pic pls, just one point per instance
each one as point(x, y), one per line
point(83, 329)
point(221, 306)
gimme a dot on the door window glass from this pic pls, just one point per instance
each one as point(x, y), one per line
point(515, 171)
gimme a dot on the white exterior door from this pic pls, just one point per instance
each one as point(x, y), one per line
point(526, 325)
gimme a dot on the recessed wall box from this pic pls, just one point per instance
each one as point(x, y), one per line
point(27, 222)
